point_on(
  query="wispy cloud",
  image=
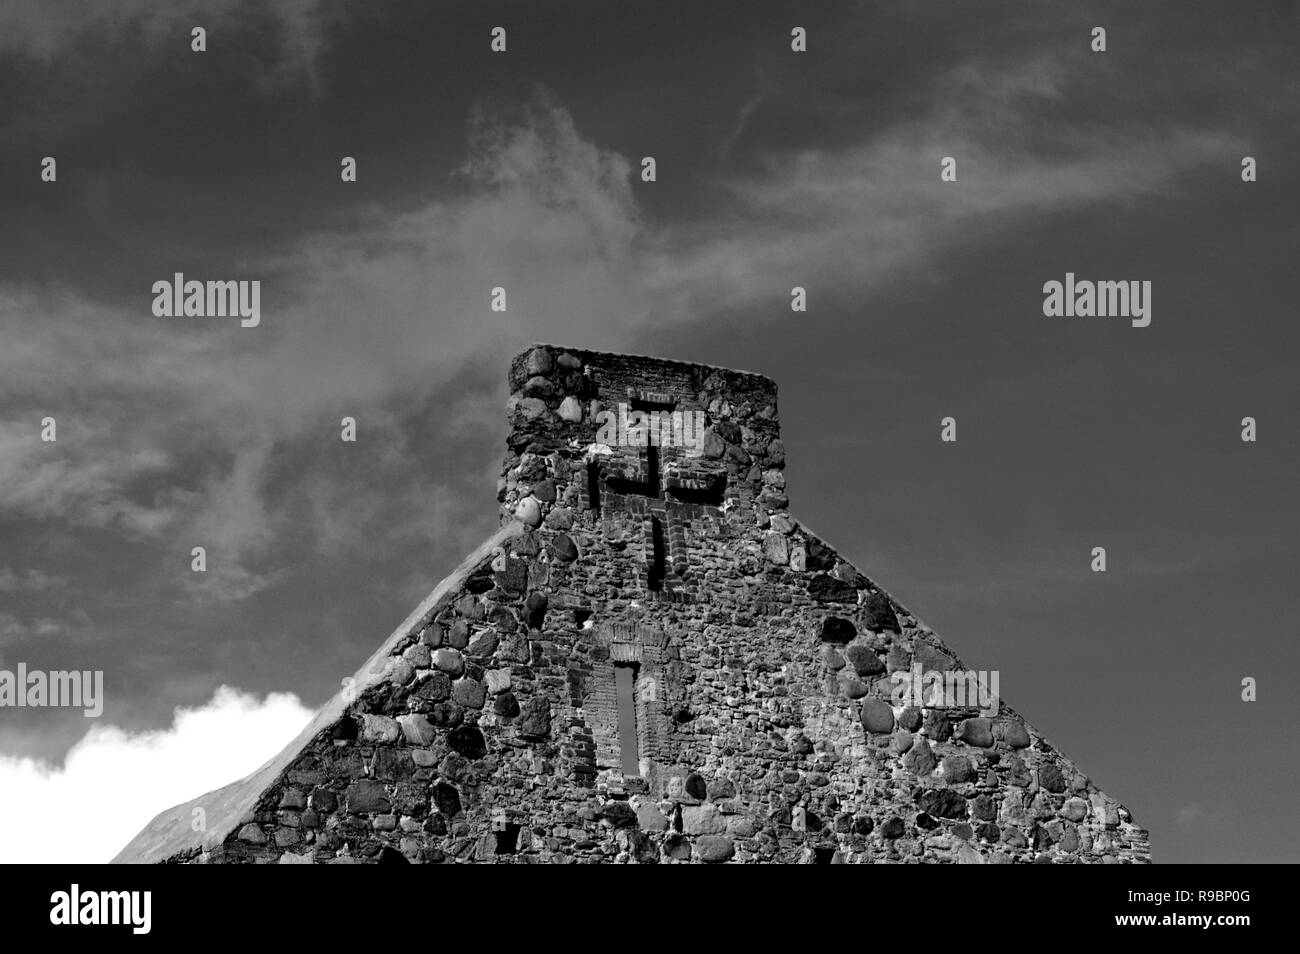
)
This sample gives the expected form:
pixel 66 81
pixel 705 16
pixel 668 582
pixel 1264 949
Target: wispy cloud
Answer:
pixel 394 305
pixel 46 29
pixel 28 581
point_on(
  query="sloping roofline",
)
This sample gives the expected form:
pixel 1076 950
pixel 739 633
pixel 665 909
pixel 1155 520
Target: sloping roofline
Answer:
pixel 171 832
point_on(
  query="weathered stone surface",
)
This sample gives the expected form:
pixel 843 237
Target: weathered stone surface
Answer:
pixel 975 732
pixel 893 828
pixel 417 730
pixel 942 803
pixel 391 763
pixel 563 549
pixel 619 814
pixel 984 808
pixel 436 687
pixel 910 718
pixel 776 547
pixel 497 680
pixel 864 661
pixel 830 590
pixel 714 848
pixel 957 769
pixel 720 789
pixel 570 410
pixel 252 835
pixel 853 688
pixel 677 847
pixel 1013 733
pixel 418 656
pixel 820 556
pixel 539 362
pixel 966 855
pixel 1074 809
pixel 702 820
pixel 449 661
pixel 535 719
pixel 365 796
pixel 484 644
pixel 399 671
pixel 457 636
pixel 1050 778
pixel 877 716
pixel 529 512
pixel 651 818
pixel 880 614
pixel 919 759
pixel 379 728
pixel 468 693
pixel 930 657
pixel 423 758
pixel 543 490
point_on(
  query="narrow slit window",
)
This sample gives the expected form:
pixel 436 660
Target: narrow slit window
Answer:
pixel 593 485
pixel 625 690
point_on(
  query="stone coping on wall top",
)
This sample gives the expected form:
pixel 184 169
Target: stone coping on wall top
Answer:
pixel 650 358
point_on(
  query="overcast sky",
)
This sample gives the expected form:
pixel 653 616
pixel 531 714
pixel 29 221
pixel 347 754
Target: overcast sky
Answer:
pixel 775 169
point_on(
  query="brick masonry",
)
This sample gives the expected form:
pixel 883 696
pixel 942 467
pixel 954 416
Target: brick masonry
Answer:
pixel 487 728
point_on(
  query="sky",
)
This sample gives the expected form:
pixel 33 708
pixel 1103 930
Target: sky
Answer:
pixel 522 169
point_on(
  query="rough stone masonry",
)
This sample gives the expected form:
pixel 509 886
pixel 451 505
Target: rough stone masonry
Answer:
pixel 490 727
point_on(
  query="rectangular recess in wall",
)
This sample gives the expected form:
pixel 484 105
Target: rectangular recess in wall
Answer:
pixel 625 692
pixel 657 557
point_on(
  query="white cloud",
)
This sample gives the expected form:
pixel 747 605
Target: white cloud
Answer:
pixel 113 782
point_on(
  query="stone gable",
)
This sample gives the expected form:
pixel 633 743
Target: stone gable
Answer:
pixel 491 727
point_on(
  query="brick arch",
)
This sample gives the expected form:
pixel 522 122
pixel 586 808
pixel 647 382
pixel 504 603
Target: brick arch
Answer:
pixel 646 648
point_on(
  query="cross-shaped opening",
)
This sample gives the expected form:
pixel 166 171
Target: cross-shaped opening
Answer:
pixel 704 489
pixel 647 487
pixel 593 484
pixel 657 564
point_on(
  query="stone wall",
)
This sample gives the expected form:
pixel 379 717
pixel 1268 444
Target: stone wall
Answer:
pixel 762 690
